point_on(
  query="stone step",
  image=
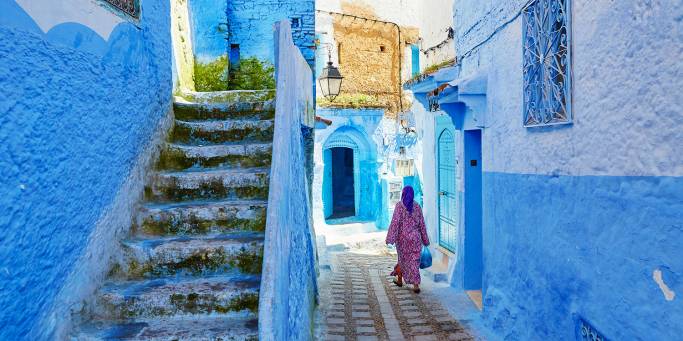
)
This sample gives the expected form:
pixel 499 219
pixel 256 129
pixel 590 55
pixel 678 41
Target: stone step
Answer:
pixel 218 132
pixel 216 184
pixel 257 110
pixel 191 256
pixel 177 296
pixel 181 157
pixel 207 218
pixel 225 97
pixel 238 327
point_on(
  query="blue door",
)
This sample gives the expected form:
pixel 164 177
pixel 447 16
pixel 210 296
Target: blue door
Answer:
pixel 447 191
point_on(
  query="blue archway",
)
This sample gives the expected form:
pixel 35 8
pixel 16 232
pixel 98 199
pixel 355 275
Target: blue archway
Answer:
pixel 364 163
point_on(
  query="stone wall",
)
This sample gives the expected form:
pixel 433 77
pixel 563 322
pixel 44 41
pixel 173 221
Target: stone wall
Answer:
pixel 583 221
pixel 367 53
pixel 84 90
pixel 250 25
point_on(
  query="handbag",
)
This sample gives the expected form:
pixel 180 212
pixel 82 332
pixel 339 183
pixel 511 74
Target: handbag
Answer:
pixel 425 258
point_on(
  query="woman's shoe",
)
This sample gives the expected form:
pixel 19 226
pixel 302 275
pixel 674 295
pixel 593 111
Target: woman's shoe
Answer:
pixel 416 290
pixel 399 284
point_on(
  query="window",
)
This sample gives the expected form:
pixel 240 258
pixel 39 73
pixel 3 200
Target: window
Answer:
pixel 130 7
pixel 546 35
pixel 234 56
pixel 382 48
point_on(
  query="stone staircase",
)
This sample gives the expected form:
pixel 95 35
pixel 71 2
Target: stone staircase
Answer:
pixel 191 265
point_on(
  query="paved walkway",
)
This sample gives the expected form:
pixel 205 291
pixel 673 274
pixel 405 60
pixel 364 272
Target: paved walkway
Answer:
pixel 359 302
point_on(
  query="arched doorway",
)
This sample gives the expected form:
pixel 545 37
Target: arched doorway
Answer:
pixel 343 188
pixel 349 163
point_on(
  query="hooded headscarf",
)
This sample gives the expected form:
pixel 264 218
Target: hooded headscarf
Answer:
pixel 407 198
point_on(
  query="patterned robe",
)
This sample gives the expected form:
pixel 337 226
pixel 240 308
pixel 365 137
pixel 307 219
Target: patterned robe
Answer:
pixel 408 232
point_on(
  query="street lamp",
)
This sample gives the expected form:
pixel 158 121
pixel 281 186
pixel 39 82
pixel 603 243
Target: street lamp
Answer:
pixel 330 80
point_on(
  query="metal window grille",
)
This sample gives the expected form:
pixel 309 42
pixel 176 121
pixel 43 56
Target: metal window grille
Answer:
pixel 130 7
pixel 546 36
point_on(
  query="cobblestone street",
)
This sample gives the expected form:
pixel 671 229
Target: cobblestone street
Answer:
pixel 359 302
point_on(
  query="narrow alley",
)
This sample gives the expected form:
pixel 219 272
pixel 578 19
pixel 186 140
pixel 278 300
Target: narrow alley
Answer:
pixel 341 170
pixel 359 301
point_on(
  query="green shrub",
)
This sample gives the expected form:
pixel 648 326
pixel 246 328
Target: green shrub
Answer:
pixel 253 74
pixel 355 100
pixel 211 76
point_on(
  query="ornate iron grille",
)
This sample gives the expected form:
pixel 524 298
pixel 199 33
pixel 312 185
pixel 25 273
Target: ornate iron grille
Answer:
pixel 547 62
pixel 586 332
pixel 130 7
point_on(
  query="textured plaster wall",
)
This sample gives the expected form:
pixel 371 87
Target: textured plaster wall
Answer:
pixel 580 219
pixel 251 25
pixel 183 55
pixel 209 21
pixel 367 123
pixel 79 106
pixel 289 291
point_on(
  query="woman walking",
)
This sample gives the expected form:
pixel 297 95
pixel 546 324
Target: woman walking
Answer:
pixel 407 230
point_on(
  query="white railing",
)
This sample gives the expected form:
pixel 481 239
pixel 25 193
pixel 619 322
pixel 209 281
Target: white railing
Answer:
pixel 289 280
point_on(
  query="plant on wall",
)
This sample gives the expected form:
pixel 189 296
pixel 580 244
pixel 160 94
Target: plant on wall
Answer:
pixel 253 74
pixel 212 76
pixel 250 74
pixel 355 100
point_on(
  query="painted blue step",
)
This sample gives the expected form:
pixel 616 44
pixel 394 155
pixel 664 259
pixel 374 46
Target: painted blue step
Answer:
pixel 201 217
pixel 181 157
pixel 213 184
pixel 192 256
pixel 238 327
pixel 178 296
pixel 226 131
pixel 256 108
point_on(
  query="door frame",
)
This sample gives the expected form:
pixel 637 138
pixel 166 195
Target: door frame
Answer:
pixel 343 142
pixel 473 210
pixel 354 177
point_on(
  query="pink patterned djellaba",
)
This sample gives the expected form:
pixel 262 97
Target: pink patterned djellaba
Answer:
pixel 407 231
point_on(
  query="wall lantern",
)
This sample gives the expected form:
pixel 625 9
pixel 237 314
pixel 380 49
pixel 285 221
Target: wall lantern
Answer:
pixel 330 80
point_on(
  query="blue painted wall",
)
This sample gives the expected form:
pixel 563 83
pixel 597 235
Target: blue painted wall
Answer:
pixel 473 210
pixel 76 111
pixel 363 126
pixel 251 26
pixel 561 246
pixel 209 22
pixel 578 221
pixel 289 287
